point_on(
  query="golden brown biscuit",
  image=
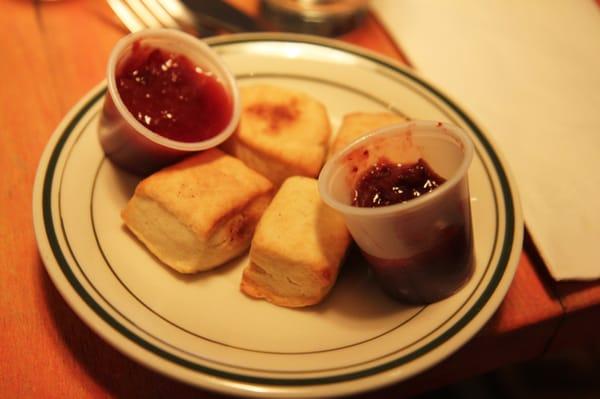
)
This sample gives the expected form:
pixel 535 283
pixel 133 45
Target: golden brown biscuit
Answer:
pixel 199 213
pixel 356 124
pixel 297 248
pixel 282 132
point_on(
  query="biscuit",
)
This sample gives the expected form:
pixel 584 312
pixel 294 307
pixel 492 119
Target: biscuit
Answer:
pixel 199 213
pixel 297 249
pixel 282 133
pixel 357 124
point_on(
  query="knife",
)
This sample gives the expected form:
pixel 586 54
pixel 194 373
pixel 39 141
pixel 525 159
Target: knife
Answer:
pixel 220 14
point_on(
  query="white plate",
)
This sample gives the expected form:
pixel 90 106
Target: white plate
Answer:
pixel 201 329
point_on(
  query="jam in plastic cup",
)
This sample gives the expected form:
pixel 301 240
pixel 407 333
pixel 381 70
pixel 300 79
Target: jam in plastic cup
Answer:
pixel 130 144
pixel 421 250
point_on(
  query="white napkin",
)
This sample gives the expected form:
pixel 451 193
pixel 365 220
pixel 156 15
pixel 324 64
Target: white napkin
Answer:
pixel 529 71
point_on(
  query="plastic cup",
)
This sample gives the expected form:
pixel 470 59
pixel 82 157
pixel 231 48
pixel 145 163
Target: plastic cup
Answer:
pixel 130 144
pixel 421 250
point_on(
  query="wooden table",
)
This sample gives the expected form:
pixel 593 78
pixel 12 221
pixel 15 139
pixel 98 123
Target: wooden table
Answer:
pixel 51 54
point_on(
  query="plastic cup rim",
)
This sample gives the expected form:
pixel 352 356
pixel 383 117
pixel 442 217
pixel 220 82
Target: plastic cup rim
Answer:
pixel 413 204
pixel 206 51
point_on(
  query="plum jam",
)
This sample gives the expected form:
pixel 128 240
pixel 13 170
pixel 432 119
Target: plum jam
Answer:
pixel 437 247
pixel 387 183
pixel 432 274
pixel 171 96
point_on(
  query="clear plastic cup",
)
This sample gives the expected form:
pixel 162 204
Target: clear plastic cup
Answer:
pixel 420 250
pixel 130 144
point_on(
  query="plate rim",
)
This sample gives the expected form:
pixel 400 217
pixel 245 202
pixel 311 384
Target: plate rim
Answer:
pixel 221 380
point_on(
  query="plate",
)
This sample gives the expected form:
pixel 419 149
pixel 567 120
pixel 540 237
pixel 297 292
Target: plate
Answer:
pixel 201 329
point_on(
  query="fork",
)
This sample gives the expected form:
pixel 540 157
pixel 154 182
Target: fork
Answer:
pixel 204 17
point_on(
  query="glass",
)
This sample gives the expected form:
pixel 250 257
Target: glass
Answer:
pixel 318 17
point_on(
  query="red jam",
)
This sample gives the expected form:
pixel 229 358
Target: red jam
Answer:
pixel 387 184
pixel 171 96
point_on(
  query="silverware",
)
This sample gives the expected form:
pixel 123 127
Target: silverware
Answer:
pixel 223 15
pixel 203 17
